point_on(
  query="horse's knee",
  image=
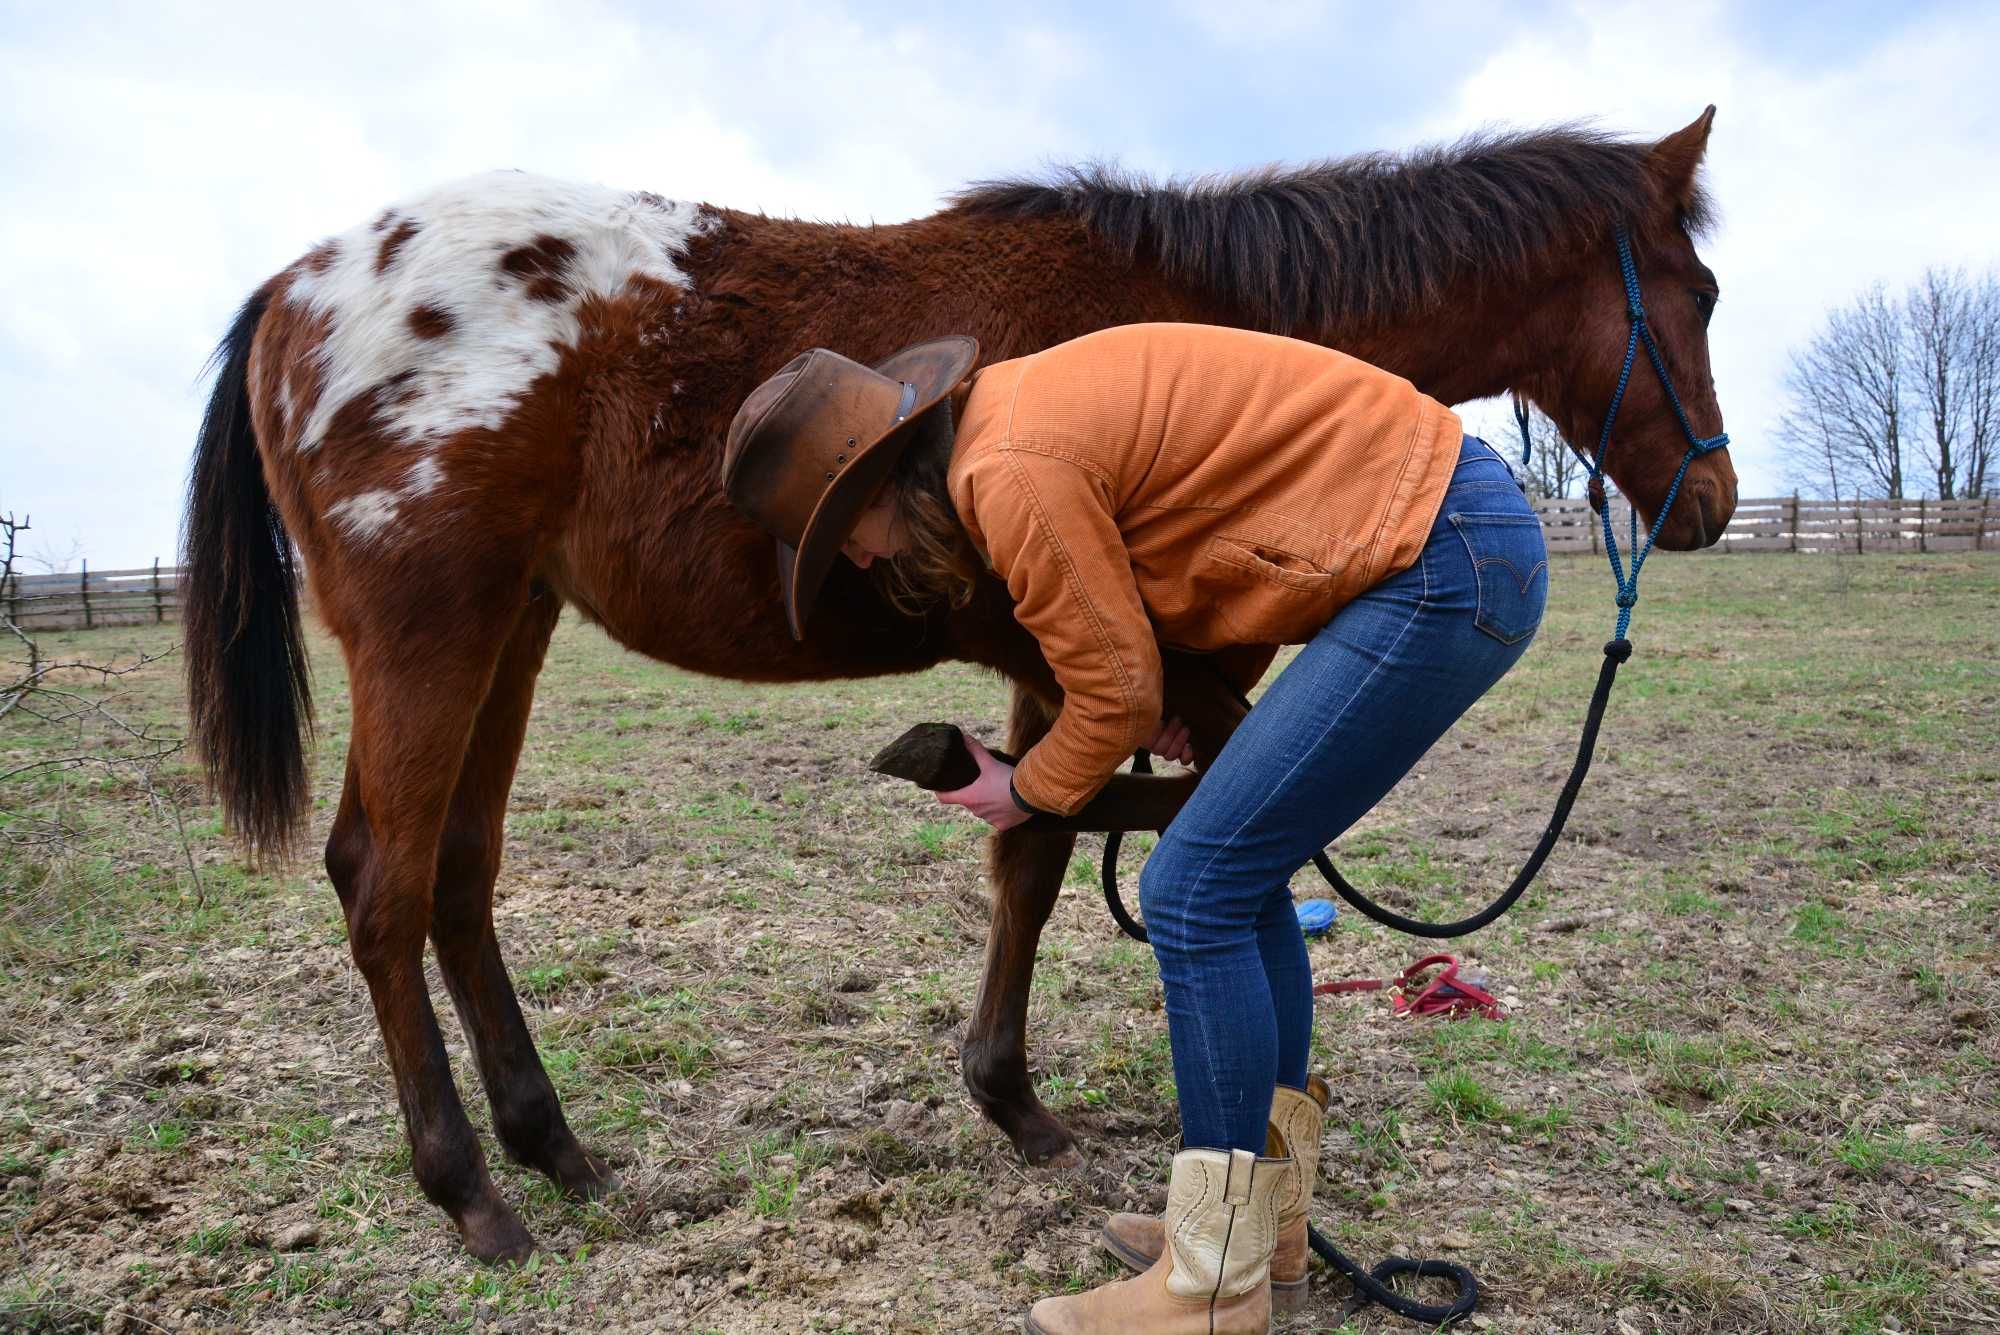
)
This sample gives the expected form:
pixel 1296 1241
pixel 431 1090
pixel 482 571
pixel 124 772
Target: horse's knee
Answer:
pixel 447 1164
pixel 527 1117
pixel 994 1070
pixel 468 862
pixel 467 856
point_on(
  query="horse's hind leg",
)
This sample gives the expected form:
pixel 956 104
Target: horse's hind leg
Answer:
pixel 415 698
pixel 527 1116
pixel 1026 873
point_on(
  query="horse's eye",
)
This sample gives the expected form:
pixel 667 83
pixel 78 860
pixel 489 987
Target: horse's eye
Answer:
pixel 1704 302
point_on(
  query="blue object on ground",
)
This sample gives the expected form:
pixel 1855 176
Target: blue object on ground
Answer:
pixel 1316 915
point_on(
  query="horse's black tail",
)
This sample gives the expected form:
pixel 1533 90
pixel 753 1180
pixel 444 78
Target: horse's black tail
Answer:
pixel 249 687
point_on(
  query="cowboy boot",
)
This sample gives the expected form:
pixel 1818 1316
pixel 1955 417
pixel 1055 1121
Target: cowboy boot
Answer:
pixel 1297 1116
pixel 1213 1275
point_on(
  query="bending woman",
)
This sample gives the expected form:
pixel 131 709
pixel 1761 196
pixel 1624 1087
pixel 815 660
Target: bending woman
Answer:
pixel 1209 489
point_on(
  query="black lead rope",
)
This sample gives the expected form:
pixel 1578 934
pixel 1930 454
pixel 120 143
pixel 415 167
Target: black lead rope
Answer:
pixel 1373 1285
pixel 1615 653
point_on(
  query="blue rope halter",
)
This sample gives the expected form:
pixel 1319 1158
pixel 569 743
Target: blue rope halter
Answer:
pixel 1635 309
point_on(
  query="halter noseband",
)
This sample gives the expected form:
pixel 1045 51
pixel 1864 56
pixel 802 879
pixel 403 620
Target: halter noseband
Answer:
pixel 1641 332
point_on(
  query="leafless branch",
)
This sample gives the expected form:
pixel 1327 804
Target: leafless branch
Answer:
pixel 1553 467
pixel 35 694
pixel 1846 388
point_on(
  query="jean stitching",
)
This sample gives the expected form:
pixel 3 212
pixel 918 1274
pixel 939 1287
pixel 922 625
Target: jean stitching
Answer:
pixel 1423 602
pixel 1185 891
pixel 1480 620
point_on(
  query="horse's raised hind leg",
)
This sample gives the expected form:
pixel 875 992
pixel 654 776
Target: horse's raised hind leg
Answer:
pixel 414 704
pixel 1026 871
pixel 527 1115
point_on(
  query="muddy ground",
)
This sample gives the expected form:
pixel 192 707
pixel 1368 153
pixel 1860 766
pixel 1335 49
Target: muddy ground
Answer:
pixel 1748 1081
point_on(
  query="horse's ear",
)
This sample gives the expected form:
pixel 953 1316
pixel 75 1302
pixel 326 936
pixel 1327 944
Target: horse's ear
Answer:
pixel 1675 159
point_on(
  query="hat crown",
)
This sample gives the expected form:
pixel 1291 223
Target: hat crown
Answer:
pixel 812 445
pixel 800 430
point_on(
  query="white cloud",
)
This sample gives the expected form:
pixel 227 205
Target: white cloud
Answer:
pixel 1829 177
pixel 162 159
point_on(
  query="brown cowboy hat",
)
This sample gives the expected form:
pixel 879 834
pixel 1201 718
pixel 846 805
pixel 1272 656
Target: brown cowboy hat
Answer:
pixel 811 445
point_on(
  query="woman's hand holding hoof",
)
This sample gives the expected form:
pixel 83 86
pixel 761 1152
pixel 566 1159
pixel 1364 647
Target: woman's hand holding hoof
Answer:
pixel 1173 742
pixel 990 796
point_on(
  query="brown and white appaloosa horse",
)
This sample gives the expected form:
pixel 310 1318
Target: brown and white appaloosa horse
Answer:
pixel 510 394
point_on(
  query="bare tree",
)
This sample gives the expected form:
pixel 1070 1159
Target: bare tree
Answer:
pixel 1938 317
pixel 1553 467
pixel 1981 429
pixel 1847 397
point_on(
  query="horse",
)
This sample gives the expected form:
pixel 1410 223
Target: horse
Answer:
pixel 508 395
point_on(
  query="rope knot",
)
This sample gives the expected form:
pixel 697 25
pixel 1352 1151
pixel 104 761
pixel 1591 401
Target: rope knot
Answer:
pixel 1628 598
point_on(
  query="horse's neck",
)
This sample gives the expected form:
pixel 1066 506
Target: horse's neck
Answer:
pixel 1021 285
pixel 1451 359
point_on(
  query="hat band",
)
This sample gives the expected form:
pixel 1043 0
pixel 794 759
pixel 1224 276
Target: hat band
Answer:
pixel 907 402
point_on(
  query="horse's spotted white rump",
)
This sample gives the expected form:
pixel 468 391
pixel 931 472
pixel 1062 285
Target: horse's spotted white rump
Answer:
pixel 364 517
pixel 450 305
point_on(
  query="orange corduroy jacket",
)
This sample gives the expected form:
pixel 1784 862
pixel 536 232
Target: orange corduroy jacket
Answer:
pixel 1186 485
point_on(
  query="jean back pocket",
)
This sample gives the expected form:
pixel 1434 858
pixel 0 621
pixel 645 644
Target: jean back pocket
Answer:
pixel 1510 565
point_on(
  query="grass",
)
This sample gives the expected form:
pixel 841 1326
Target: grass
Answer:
pixel 1461 1097
pixel 748 967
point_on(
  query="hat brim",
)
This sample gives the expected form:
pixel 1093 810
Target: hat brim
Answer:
pixel 935 367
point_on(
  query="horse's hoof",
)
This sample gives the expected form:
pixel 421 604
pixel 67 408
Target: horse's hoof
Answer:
pixel 592 1179
pixel 494 1233
pixel 1047 1143
pixel 1062 1161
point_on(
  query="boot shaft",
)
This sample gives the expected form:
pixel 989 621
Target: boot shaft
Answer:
pixel 1222 1222
pixel 1298 1117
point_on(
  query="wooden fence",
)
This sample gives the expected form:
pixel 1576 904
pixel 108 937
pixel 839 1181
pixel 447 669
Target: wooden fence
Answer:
pixel 93 598
pixel 1789 524
pixel 1780 524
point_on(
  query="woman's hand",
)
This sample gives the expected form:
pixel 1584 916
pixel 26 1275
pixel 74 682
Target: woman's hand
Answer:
pixel 1172 742
pixel 990 796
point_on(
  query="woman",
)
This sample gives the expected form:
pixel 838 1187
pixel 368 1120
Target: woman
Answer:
pixel 1211 489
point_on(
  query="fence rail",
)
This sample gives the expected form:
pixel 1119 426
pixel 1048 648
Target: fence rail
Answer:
pixel 1769 524
pixel 1794 524
pixel 93 597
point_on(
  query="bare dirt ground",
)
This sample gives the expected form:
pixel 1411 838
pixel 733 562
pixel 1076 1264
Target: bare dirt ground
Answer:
pixel 1748 1082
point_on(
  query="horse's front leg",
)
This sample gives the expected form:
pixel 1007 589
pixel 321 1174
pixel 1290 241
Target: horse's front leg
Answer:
pixel 1026 871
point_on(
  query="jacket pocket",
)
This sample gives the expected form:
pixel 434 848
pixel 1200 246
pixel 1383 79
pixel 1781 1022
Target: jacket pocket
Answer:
pixel 1264 587
pixel 1510 567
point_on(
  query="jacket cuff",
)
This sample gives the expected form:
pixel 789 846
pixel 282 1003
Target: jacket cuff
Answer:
pixel 1023 802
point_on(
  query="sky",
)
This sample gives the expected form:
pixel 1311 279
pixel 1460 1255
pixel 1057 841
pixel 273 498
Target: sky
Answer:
pixel 160 160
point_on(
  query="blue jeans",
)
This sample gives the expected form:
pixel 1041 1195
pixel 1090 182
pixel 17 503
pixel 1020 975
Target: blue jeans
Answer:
pixel 1348 718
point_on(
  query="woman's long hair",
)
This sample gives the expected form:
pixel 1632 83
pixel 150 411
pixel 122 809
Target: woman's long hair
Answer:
pixel 938 564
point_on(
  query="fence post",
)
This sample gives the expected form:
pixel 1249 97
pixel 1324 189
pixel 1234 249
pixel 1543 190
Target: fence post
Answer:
pixel 1860 530
pixel 1979 533
pixel 1795 522
pixel 159 615
pixel 83 588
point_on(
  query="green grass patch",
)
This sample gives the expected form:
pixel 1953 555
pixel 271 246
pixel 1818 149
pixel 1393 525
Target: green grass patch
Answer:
pixel 1459 1095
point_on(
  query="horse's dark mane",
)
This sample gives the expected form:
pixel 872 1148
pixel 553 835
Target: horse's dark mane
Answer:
pixel 1358 239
